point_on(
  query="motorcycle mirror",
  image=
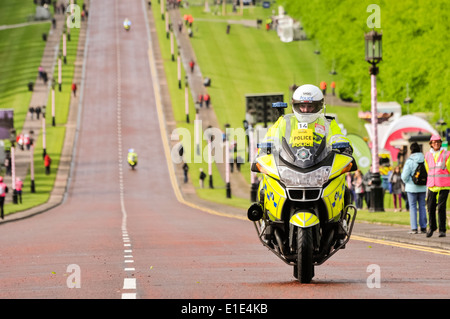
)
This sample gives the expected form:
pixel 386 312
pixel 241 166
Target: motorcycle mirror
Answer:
pixel 254 168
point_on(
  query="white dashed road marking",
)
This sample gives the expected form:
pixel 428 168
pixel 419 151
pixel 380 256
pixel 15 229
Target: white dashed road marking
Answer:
pixel 128 283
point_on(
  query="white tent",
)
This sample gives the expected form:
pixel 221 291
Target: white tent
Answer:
pixel 392 131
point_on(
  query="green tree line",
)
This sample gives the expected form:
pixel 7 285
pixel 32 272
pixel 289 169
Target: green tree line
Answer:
pixel 416 36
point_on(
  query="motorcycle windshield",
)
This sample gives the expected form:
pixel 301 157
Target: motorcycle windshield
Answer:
pixel 305 155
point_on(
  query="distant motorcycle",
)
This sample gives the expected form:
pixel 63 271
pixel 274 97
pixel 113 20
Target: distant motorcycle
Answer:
pixel 127 24
pixel 301 213
pixel 132 158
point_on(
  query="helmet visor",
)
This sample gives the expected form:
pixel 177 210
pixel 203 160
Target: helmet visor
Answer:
pixel 307 107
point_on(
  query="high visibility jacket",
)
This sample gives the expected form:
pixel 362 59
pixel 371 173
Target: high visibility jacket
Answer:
pixel 132 158
pixel 286 125
pixel 437 165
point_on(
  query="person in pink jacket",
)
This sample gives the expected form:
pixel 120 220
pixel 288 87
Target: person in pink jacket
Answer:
pixel 19 186
pixel 3 191
pixel 437 164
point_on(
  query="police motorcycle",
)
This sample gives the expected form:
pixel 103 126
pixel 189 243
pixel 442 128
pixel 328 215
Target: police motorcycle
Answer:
pixel 132 158
pixel 127 24
pixel 303 212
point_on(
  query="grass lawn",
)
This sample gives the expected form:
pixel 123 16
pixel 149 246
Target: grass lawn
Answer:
pixel 25 44
pixel 178 104
pixel 21 52
pixel 15 12
pixel 247 61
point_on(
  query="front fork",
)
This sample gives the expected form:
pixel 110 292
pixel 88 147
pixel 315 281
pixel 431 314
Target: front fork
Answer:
pixel 345 228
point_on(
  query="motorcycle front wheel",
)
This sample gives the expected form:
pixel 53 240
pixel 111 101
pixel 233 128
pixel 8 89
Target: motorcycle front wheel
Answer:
pixel 304 269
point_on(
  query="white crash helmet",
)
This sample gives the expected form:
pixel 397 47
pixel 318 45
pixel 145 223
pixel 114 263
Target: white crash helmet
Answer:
pixel 311 95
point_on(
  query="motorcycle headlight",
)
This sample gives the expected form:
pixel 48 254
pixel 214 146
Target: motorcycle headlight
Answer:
pixel 311 179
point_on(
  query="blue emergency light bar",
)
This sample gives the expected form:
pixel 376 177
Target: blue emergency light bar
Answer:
pixel 279 105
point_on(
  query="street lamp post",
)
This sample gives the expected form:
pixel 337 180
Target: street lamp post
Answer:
pixel 407 100
pixel 374 56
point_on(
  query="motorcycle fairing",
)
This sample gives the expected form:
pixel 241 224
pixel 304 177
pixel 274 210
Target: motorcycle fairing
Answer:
pixel 305 155
pixel 274 197
pixel 268 165
pixel 333 197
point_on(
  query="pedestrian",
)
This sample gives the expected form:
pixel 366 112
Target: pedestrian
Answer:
pixel 41 72
pixel 349 181
pixel 437 164
pixel 202 178
pixel 396 185
pixel 416 193
pixel 239 161
pixel 359 188
pixel 47 162
pixel 20 141
pixel 333 88
pixel 30 137
pixel 19 186
pixel 367 181
pixel 7 164
pixel 74 89
pixel 27 141
pixel 200 99
pixel 207 100
pixel 323 87
pixel 191 65
pixel 3 191
pixel 38 111
pixel 31 110
pixel 268 24
pixel 185 171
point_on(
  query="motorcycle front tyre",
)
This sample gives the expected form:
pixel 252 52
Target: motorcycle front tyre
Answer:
pixel 304 269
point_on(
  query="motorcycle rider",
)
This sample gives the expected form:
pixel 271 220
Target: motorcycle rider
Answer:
pixel 127 24
pixel 307 106
pixel 132 158
pixel 309 123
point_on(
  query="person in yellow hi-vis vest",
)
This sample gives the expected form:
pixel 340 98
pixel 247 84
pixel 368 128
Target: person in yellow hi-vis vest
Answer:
pixel 308 123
